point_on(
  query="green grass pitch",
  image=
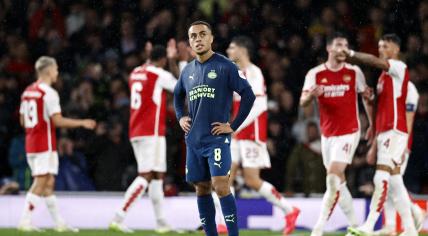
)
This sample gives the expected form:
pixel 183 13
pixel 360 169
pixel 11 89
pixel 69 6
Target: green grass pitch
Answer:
pixel 14 232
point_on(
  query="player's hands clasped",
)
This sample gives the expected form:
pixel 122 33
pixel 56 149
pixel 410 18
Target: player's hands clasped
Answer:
pixel 221 128
pixel 368 94
pixel 185 123
pixel 89 124
pixel 316 91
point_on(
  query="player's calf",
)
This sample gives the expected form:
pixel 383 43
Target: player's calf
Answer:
pixel 206 210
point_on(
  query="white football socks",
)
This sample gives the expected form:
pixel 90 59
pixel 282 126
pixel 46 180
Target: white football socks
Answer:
pixel 51 204
pixel 402 202
pixel 270 193
pixel 133 193
pixel 157 197
pixel 329 201
pixel 381 184
pixel 346 204
pixel 31 202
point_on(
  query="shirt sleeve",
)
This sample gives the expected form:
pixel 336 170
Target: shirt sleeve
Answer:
pixel 360 80
pixel 309 81
pixel 167 81
pixel 412 98
pixel 52 102
pixel 237 81
pixel 259 106
pixel 258 83
pixel 396 69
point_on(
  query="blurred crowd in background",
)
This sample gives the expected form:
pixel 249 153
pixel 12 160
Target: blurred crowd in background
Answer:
pixel 98 42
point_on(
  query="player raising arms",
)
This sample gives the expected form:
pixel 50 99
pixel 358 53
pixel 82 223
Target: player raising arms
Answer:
pixel 148 85
pixel 208 83
pixel 391 132
pixel 336 84
pixel 40 114
pixel 249 141
pixel 389 210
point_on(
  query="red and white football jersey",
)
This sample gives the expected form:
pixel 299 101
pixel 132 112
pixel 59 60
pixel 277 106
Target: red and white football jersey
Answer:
pixel 38 103
pixel 411 106
pixel 147 84
pixel 255 126
pixel 392 93
pixel 338 105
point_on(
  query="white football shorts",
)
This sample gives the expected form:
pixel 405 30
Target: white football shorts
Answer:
pixel 150 153
pixel 250 154
pixel 391 146
pixel 43 163
pixel 339 148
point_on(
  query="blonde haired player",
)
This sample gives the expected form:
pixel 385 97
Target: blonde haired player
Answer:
pixel 391 133
pixel 336 84
pixel 40 114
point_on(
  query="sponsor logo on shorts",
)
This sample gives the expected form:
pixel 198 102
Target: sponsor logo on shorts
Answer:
pixel 218 164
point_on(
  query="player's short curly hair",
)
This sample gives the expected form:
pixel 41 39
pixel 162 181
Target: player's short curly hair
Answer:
pixel 201 22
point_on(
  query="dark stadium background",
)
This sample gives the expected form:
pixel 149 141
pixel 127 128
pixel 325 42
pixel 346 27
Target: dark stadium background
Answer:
pixel 97 43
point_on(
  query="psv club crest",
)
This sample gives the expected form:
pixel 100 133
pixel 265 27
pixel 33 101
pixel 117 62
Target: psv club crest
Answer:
pixel 212 74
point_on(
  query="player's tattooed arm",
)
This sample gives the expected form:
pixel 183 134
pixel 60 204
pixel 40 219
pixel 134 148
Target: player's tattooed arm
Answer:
pixel 368 106
pixel 365 58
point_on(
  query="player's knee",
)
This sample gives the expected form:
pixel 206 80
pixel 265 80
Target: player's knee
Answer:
pixel 203 188
pixel 40 182
pixel 158 175
pixel 222 191
pixel 332 182
pixel 148 176
pixel 222 188
pixel 253 182
pixel 338 170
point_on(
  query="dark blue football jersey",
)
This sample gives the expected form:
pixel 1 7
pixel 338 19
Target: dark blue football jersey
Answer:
pixel 209 88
